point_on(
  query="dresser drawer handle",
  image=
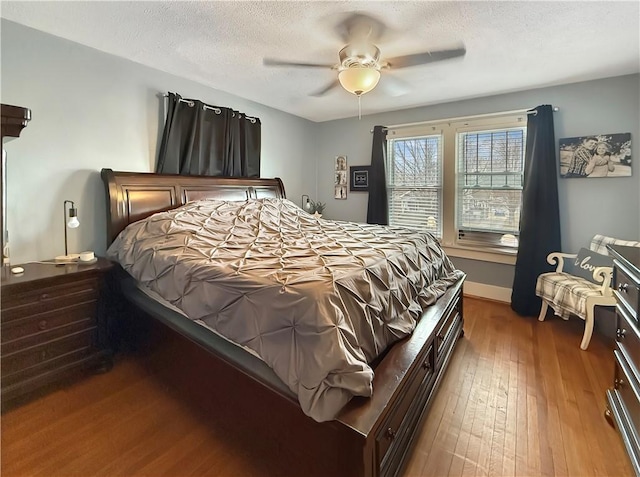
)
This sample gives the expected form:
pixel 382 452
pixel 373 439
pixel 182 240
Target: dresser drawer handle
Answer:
pixel 623 287
pixel 44 296
pixel 618 383
pixel 43 355
pixel 426 365
pixel 391 434
pixel 42 325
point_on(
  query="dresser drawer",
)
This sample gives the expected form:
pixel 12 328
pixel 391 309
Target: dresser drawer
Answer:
pixel 31 302
pixel 20 360
pixel 45 322
pixel 447 327
pixel 393 432
pixel 626 290
pixel 628 337
pixel 627 389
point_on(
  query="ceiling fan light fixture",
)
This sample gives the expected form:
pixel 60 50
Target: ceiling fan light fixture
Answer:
pixel 359 80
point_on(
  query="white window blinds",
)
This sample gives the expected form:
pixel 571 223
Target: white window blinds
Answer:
pixel 490 179
pixel 414 183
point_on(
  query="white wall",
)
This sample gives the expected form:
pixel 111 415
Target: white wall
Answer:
pixel 587 206
pixel 92 110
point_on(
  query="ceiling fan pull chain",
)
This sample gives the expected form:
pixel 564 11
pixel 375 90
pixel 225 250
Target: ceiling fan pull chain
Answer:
pixel 359 107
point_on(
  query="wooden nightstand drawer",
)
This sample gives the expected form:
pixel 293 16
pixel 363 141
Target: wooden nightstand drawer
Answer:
pixel 14 346
pixel 44 372
pixel 45 322
pixel 31 302
pixel 26 358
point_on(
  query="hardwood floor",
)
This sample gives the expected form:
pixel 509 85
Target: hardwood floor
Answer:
pixel 520 399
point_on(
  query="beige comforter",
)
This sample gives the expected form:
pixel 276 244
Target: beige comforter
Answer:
pixel 316 299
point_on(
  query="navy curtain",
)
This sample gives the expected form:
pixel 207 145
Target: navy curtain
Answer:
pixel 540 216
pixel 204 140
pixel 377 207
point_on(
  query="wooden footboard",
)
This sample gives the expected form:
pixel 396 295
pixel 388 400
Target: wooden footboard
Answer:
pixel 404 385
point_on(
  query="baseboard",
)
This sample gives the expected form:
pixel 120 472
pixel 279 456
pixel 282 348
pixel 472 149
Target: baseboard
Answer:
pixel 490 292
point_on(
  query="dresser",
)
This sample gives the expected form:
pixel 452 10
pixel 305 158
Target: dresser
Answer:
pixel 53 326
pixel 624 397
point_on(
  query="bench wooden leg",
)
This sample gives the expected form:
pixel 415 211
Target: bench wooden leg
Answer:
pixel 543 311
pixel 588 328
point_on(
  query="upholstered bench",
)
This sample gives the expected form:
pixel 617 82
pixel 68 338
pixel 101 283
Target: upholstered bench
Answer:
pixel 579 283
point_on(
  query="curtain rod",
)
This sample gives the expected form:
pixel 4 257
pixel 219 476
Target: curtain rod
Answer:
pixel 192 103
pixel 460 118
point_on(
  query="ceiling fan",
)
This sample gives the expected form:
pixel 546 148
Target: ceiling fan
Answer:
pixel 360 62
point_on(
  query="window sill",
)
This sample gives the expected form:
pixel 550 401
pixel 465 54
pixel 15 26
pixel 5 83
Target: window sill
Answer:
pixel 496 255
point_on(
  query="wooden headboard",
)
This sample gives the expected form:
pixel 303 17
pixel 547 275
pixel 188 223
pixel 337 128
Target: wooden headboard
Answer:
pixel 132 196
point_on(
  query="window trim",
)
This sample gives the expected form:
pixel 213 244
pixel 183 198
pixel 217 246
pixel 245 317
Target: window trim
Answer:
pixel 448 130
pixel 486 255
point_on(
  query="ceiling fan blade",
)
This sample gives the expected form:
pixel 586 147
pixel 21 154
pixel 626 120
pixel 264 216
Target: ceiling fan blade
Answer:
pixel 274 62
pixel 360 26
pixel 393 86
pixel 326 89
pixel 424 58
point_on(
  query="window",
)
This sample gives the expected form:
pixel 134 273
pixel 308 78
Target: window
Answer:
pixel 415 183
pixel 460 180
pixel 489 192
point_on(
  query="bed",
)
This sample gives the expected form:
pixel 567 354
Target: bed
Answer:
pixel 370 435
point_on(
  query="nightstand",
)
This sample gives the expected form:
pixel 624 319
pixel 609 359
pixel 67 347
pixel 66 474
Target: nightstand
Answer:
pixel 53 326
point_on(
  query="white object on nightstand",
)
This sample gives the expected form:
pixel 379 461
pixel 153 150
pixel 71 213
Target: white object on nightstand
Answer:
pixel 70 258
pixel 88 256
pixel 17 270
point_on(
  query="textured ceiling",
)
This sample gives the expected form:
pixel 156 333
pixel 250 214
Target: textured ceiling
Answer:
pixel 511 46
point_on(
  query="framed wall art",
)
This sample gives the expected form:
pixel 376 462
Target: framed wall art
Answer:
pixel 359 178
pixel 604 155
pixel 340 178
pixel 340 192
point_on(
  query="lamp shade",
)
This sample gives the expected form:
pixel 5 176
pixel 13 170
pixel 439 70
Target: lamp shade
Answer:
pixel 359 80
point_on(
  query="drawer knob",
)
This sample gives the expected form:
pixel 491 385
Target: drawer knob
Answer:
pixel 618 383
pixel 44 296
pixel 43 355
pixel 623 287
pixel 391 434
pixel 427 364
pixel 620 333
pixel 42 325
